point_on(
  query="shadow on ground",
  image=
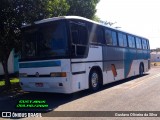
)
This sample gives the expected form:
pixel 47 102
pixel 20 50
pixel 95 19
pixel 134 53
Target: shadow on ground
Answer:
pixel 8 103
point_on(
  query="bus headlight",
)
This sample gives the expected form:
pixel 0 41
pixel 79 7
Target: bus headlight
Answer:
pixel 22 74
pixel 58 74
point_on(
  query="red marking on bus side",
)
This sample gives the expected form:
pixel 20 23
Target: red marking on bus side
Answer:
pixel 114 70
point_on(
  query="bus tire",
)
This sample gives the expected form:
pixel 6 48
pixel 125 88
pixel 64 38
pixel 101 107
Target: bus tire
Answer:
pixel 94 80
pixel 141 69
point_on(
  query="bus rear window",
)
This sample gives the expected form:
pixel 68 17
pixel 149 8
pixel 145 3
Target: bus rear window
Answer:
pixel 144 44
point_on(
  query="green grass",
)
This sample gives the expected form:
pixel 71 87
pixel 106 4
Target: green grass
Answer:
pixel 14 80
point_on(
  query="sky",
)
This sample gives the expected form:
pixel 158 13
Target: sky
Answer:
pixel 140 17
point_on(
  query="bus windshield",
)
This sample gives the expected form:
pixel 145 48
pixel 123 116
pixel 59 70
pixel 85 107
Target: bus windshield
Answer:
pixel 45 40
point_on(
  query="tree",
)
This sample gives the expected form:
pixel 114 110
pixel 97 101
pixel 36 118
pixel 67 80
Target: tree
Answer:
pixel 9 33
pixel 14 13
pixel 56 8
pixel 96 18
pixel 84 8
pixel 33 10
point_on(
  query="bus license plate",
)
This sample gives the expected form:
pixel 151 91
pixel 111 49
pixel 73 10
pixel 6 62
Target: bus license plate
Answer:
pixel 39 84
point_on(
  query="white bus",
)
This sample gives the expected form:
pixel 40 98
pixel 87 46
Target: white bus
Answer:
pixel 71 53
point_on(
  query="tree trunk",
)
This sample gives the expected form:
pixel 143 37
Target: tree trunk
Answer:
pixel 6 75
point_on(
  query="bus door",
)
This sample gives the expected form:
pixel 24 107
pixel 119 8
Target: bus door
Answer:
pixel 79 51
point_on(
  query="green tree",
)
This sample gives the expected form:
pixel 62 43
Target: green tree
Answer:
pixel 84 8
pixel 14 13
pixel 33 10
pixel 56 8
pixel 96 18
pixel 9 33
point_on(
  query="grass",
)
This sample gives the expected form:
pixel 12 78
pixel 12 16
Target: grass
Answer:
pixel 13 89
pixel 14 80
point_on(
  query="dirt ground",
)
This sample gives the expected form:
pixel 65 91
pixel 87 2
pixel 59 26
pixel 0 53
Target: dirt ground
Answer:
pixel 155 63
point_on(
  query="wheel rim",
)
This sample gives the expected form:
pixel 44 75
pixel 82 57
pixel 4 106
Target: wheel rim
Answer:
pixel 94 80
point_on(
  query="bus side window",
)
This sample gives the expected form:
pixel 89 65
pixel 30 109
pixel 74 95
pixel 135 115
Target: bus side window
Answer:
pixel 99 33
pixel 108 37
pixel 114 38
pixel 74 33
pixel 122 40
pixel 96 34
pixel 138 43
pixel 144 44
pixel 92 33
pixel 131 41
pixel 147 44
pixel 79 34
pixel 75 37
pixel 83 35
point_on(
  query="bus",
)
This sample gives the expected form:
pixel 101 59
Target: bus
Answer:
pixel 70 53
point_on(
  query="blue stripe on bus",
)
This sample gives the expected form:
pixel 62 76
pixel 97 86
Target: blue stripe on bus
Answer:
pixel 40 64
pixel 130 55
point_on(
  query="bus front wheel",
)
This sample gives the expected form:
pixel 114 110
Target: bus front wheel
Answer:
pixel 94 80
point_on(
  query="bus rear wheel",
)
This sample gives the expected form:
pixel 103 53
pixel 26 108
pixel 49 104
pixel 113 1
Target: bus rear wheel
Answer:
pixel 141 69
pixel 94 80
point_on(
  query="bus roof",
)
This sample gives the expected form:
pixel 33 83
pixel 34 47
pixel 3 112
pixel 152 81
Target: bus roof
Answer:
pixel 77 17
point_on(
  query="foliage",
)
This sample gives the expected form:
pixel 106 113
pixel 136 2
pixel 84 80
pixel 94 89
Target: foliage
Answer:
pixel 13 81
pixel 9 33
pixel 56 8
pixel 96 18
pixel 84 8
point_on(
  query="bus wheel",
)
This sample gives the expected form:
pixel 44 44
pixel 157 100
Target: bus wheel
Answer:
pixel 141 69
pixel 94 80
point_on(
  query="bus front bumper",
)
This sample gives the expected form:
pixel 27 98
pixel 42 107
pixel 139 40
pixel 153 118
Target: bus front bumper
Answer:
pixel 46 84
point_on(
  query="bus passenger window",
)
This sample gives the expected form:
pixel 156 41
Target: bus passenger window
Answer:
pixel 122 40
pixel 74 33
pixel 96 35
pixel 75 37
pixel 83 36
pixel 79 34
pixel 114 38
pixel 100 36
pixel 108 37
pixel 144 44
pixel 131 41
pixel 125 40
pixel 148 47
pixel 138 43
